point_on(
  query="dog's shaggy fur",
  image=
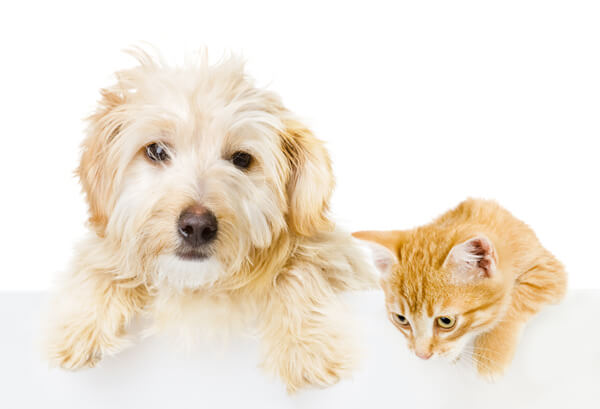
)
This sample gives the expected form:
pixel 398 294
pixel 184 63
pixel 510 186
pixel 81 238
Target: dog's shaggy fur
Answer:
pixel 277 254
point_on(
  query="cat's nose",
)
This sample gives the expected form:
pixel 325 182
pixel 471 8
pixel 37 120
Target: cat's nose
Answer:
pixel 424 355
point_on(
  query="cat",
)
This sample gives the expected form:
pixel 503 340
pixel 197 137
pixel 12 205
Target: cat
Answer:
pixel 465 285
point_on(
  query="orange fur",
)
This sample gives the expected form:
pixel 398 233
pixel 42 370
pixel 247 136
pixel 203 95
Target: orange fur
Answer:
pixel 492 286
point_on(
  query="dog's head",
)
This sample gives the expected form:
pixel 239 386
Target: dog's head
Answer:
pixel 189 172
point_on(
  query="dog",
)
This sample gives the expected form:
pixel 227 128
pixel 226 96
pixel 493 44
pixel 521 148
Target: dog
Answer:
pixel 208 198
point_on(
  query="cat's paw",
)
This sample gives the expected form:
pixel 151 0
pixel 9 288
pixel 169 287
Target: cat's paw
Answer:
pixel 493 355
pixel 489 371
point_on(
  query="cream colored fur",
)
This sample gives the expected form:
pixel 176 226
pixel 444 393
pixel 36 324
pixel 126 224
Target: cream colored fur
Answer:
pixel 277 261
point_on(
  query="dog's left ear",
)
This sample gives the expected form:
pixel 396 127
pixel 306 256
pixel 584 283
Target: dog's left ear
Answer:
pixel 310 182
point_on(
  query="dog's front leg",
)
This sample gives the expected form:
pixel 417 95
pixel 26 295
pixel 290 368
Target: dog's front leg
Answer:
pixel 306 339
pixel 89 313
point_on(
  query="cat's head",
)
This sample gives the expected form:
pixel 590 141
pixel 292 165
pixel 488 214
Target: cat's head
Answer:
pixel 440 294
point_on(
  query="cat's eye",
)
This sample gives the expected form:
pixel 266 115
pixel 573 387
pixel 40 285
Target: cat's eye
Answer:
pixel 400 319
pixel 445 322
pixel 157 152
pixel 242 160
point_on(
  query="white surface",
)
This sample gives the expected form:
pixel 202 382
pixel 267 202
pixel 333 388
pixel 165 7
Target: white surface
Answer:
pixel 557 366
pixel 422 103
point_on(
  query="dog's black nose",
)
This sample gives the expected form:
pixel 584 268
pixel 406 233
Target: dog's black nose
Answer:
pixel 197 226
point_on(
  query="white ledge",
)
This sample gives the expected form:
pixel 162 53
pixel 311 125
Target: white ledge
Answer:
pixel 557 365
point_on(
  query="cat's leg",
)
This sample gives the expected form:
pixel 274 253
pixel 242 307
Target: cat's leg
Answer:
pixel 494 350
pixel 542 284
pixel 305 338
pixel 88 315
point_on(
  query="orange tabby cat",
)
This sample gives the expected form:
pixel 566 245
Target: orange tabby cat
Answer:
pixel 474 274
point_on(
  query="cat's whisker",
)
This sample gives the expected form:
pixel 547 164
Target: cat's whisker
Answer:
pixel 486 362
pixel 479 360
pixel 465 365
pixel 475 295
pixel 469 356
pixel 470 362
pixel 482 349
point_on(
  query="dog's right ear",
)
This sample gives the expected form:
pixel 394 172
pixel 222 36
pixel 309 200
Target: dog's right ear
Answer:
pixel 98 167
pixel 384 247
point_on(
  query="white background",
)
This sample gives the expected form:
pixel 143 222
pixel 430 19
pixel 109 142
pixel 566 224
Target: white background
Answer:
pixel 421 103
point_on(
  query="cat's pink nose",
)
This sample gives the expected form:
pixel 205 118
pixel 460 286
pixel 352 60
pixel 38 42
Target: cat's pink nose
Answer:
pixel 424 355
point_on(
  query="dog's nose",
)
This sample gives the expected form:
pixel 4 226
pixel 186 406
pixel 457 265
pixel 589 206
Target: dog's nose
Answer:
pixel 197 226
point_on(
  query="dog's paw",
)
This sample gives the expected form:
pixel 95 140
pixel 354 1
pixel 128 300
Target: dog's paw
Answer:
pixel 77 347
pixel 322 372
pixel 303 365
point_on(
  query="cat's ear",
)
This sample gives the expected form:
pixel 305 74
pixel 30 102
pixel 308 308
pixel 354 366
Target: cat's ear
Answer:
pixel 473 259
pixel 384 247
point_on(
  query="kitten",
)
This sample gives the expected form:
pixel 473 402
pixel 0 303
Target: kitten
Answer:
pixel 474 274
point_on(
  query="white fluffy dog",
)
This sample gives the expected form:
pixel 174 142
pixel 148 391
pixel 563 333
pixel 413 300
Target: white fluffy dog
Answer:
pixel 207 198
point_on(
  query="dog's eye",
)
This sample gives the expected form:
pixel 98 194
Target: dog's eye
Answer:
pixel 241 159
pixel 156 152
